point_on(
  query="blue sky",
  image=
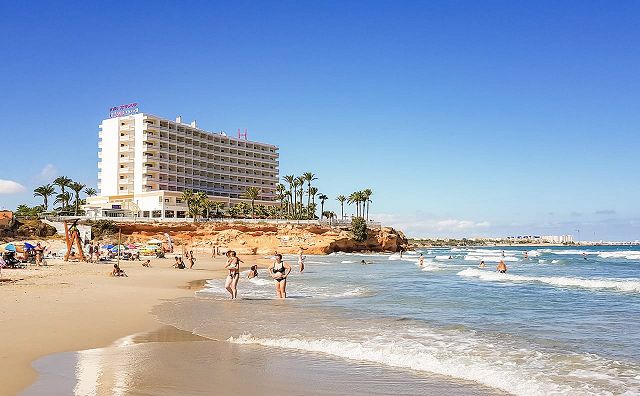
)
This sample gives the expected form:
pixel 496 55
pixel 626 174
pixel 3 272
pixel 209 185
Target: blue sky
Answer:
pixel 465 118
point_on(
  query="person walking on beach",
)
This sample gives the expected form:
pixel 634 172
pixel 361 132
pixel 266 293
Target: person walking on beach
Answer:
pixel 231 283
pixel 279 270
pixel 301 261
pixel 502 267
pixel 192 260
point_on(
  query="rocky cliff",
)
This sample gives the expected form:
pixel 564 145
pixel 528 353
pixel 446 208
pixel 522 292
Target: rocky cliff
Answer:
pixel 267 238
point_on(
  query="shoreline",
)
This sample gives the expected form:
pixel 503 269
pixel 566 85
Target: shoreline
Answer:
pixel 98 371
pixel 66 307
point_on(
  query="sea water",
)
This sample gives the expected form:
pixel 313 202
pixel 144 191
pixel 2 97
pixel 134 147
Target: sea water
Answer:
pixel 561 321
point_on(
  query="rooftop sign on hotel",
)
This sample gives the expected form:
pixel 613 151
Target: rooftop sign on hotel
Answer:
pixel 123 110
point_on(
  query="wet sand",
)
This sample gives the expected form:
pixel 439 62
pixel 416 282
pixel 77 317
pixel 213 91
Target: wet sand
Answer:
pixel 169 361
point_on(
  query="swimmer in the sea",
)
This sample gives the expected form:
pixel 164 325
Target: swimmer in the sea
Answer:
pixel 481 264
pixel 502 267
pixel 421 260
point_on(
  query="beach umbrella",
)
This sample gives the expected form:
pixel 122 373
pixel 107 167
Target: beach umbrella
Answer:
pixel 132 246
pixel 8 247
pixel 107 246
pixel 122 248
pixel 27 245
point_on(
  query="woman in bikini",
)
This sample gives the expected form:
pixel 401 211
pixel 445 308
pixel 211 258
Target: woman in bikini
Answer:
pixel 231 283
pixel 279 270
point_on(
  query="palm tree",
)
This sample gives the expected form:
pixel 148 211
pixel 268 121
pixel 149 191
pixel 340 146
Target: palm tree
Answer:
pixel 309 177
pixel 62 182
pixel 77 189
pixel 91 192
pixel 288 198
pixel 366 194
pixel 341 199
pixel 217 206
pixel 187 197
pixel 202 202
pixel 313 191
pixel 45 192
pixel 353 198
pixel 329 215
pixel 252 193
pixel 296 184
pixel 322 198
pixel 290 180
pixel 62 199
pixel 280 195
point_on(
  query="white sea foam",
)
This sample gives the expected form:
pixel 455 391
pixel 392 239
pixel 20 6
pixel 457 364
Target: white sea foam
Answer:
pixel 347 262
pixel 261 281
pixel 570 252
pixel 555 261
pixel 490 259
pixel 623 285
pixel 432 267
pixel 628 254
pixel 451 360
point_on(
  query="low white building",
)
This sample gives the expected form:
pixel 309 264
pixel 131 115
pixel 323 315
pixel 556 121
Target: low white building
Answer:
pixel 557 238
pixel 145 162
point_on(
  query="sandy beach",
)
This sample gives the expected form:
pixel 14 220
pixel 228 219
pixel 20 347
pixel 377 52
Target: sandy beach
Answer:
pixel 74 306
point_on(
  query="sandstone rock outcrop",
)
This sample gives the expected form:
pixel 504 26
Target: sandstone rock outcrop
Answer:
pixel 264 239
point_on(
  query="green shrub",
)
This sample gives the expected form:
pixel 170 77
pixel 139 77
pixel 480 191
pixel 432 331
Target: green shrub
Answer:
pixel 359 229
pixel 100 228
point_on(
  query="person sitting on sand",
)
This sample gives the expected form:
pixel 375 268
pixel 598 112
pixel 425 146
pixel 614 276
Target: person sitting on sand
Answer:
pixel 253 272
pixel 279 270
pixel 179 264
pixel 117 271
pixel 147 264
pixel 481 264
pixel 502 267
pixel 231 283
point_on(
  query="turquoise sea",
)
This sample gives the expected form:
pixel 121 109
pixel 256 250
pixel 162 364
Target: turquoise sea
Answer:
pixel 562 321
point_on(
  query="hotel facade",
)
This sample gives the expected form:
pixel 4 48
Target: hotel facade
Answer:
pixel 145 162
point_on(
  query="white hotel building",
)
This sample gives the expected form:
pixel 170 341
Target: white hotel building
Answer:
pixel 145 162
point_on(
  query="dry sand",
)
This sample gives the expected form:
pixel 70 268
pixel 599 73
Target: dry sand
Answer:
pixel 74 306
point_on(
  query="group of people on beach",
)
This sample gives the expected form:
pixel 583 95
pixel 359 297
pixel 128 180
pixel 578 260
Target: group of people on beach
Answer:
pixel 279 270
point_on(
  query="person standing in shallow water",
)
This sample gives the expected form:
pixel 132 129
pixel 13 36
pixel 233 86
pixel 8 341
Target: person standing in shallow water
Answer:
pixel 279 270
pixel 301 261
pixel 231 283
pixel 502 267
pixel 421 260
